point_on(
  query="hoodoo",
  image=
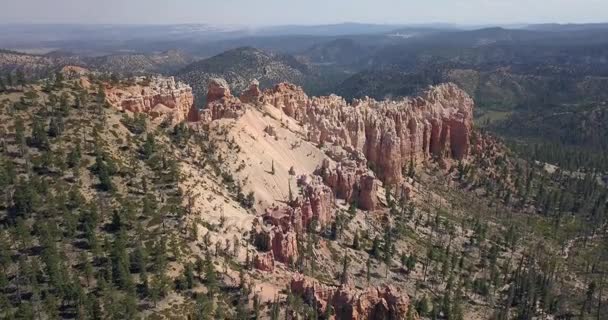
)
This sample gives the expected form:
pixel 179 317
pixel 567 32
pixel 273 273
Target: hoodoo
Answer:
pixel 390 134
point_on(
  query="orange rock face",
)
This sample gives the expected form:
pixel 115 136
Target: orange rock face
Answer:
pixel 385 135
pixel 252 94
pixel 218 89
pixel 317 201
pixel 221 104
pixel 264 261
pixel 389 134
pixel 224 108
pixel 281 225
pixel 374 303
pixel 161 97
pixel 352 181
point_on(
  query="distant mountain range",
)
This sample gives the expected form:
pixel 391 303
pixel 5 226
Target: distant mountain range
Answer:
pixel 37 66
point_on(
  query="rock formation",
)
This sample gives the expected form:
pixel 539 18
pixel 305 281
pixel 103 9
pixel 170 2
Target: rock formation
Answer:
pixel 280 225
pixel 352 181
pixel 264 261
pixel 74 72
pixel 389 134
pixel 161 97
pixel 226 108
pixel 274 242
pixel 316 202
pixel 374 303
pixel 252 94
pixel 218 89
pixel 221 104
pixel 365 140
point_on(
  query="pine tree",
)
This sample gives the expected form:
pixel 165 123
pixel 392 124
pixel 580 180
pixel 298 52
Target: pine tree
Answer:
pixel 275 310
pixel 101 94
pixel 149 147
pixel 411 262
pixel 87 267
pixel 189 276
pixel 388 249
pixel 345 265
pixel 120 262
pixel 411 171
pixel 203 310
pixel 39 137
pixel 290 192
pixel 210 277
pixel 105 180
pixel 20 78
pixel 329 311
pixel 422 306
pixel 356 244
pixel 25 198
pixel 55 127
pixel 375 248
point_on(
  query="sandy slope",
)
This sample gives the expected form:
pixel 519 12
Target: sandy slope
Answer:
pixel 266 136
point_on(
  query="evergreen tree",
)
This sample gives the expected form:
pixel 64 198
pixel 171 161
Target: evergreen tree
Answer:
pixel 25 198
pixel 39 138
pixel 189 276
pixel 375 252
pixel 203 310
pixel 120 263
pixel 149 147
pixel 356 244
pixel 345 265
pixel 55 127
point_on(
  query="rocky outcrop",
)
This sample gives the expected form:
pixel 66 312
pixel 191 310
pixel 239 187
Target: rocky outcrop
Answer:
pixel 74 72
pixel 316 202
pixel 157 97
pixel 281 224
pixel 352 181
pixel 384 136
pixel 252 94
pixel 390 134
pixel 264 261
pixel 221 104
pixel 374 303
pixel 218 89
pixel 276 243
pixel 225 108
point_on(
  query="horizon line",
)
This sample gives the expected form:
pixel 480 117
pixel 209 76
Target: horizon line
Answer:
pixel 302 24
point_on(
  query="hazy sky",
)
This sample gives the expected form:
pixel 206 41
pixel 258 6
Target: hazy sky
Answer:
pixel 273 12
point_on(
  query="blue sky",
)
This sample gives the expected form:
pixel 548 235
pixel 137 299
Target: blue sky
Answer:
pixel 277 12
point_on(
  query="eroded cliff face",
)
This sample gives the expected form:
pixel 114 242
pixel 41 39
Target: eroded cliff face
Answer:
pixel 159 97
pixel 377 139
pixel 348 303
pixel 276 236
pixel 390 134
pixel 363 146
